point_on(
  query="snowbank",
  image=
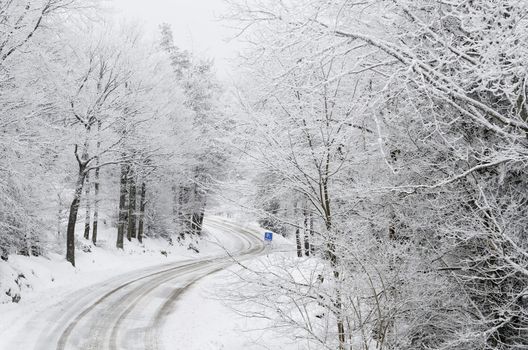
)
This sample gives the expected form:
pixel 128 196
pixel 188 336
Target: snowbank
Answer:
pixel 223 312
pixel 23 277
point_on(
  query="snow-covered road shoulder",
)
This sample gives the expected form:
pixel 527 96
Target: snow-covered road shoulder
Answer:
pixel 206 318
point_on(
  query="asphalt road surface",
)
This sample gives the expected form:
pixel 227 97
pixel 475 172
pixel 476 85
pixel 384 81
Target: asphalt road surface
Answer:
pixel 129 311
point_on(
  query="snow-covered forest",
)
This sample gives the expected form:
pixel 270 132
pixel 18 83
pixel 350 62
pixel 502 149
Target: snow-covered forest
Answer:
pixel 386 140
pixel 97 119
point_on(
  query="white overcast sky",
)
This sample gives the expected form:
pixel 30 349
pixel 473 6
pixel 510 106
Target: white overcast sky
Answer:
pixel 195 25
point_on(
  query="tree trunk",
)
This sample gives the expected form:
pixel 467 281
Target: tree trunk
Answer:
pixel 96 207
pixel 298 240
pixel 198 217
pixel 340 323
pixel 26 249
pixel 297 232
pixel 195 213
pixel 176 203
pixel 312 235
pixel 183 217
pixel 306 234
pixel 72 220
pixel 200 221
pixel 194 223
pixel 141 212
pixel 88 209
pixel 131 208
pixel 96 187
pixel 122 206
pixel 332 255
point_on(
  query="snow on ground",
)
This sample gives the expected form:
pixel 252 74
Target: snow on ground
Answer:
pixel 200 321
pixel 45 281
pixel 37 274
pixel 203 319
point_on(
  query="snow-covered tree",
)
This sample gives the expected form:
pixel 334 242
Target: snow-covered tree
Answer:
pixel 442 97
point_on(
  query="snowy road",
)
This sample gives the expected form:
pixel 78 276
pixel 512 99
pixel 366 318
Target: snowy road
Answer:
pixel 129 311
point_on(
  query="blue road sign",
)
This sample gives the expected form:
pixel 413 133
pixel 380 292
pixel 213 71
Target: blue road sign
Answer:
pixel 268 236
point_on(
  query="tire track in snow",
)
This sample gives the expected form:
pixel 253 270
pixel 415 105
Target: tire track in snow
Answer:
pixel 254 246
pixel 104 332
pixel 67 332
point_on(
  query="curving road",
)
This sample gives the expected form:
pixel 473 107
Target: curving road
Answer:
pixel 129 311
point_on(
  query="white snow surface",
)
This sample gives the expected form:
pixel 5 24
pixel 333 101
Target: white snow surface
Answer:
pixel 49 281
pixel 203 321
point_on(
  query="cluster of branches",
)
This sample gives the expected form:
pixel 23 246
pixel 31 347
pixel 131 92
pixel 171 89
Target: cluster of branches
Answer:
pixel 401 126
pixel 87 105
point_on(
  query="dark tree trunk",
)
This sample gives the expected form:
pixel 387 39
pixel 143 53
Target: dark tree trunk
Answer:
pixel 132 208
pixel 306 232
pixel 195 213
pixel 72 220
pixel 176 203
pixel 298 240
pixel 197 222
pixel 88 209
pixel 141 212
pixel 26 248
pixel 96 187
pixel 194 223
pixel 297 233
pixel 96 207
pixel 200 220
pixel 340 323
pixel 122 206
pixel 312 235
